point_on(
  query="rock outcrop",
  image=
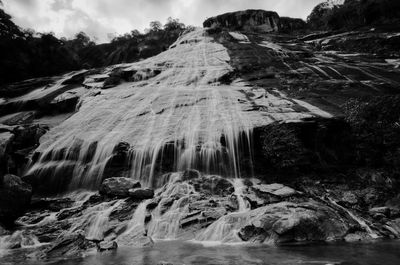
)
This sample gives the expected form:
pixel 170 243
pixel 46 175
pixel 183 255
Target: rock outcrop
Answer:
pixel 231 135
pixel 289 222
pixel 15 197
pixel 119 187
pixel 252 20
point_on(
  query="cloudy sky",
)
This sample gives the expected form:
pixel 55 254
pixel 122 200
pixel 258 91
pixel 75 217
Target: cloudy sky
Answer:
pixel 99 18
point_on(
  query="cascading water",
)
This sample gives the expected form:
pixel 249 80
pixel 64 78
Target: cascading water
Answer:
pixel 136 226
pixel 239 187
pixel 165 225
pixel 173 114
pixel 225 229
pixel 98 223
pixel 184 114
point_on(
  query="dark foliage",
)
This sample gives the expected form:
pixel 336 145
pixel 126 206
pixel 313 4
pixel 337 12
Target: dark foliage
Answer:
pixel 376 125
pixel 354 13
pixel 25 54
pixel 307 146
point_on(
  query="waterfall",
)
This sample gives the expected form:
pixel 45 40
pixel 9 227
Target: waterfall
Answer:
pixel 18 239
pixel 165 225
pixel 136 227
pixel 239 187
pixel 225 229
pixel 98 224
pixel 179 119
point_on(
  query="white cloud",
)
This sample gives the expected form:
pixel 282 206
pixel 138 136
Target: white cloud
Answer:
pixel 99 17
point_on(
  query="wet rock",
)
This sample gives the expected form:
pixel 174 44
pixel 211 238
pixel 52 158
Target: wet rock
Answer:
pixel 73 244
pixel 51 179
pixel 116 77
pixel 214 185
pixel 18 239
pixel 105 246
pixel 52 230
pixel 117 165
pixel 153 203
pixel 190 174
pixel 65 102
pixel 28 136
pixel 76 79
pixel 20 118
pixel 32 217
pixel 23 87
pixel 141 194
pixel 284 192
pixel 53 205
pixel 15 196
pixel 276 189
pixel 353 237
pixel 262 194
pixel 6 139
pixel 6 128
pixel 118 186
pixel 385 211
pixel 286 222
pixel 125 211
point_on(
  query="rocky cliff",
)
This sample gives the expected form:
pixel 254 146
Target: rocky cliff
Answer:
pixel 254 20
pixel 231 135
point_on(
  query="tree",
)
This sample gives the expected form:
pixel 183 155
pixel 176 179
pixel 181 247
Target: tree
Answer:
pixel 29 33
pixel 83 40
pixel 155 26
pixel 173 24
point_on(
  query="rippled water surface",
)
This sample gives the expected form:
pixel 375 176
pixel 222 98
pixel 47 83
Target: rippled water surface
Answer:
pixel 187 253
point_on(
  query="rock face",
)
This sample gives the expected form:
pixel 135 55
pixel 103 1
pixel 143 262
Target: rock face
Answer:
pixel 104 246
pixel 289 222
pixel 15 196
pixel 240 135
pixel 290 25
pixel 5 145
pixel 252 20
pixel 70 245
pixel 141 194
pixel 118 186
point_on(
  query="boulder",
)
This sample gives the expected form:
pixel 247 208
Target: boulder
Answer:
pixel 15 197
pixel 275 189
pixel 287 222
pixel 118 186
pixel 284 192
pixel 213 185
pixel 141 194
pixel 353 237
pixel 190 174
pixel 104 246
